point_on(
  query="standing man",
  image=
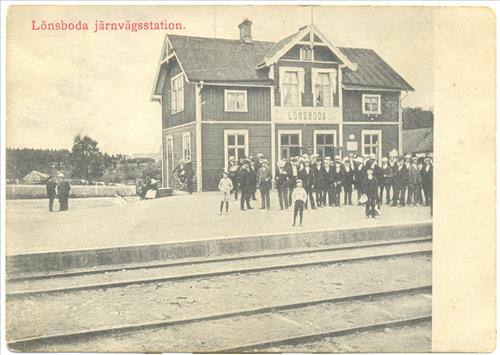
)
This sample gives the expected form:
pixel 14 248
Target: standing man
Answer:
pixel 245 184
pixel 293 173
pixel 400 177
pixel 306 174
pixel 319 182
pixel 427 181
pixel 414 183
pixel 348 182
pixel 327 182
pixel 385 181
pixel 359 175
pixel 253 178
pixel 338 178
pixel 63 188
pixel 234 169
pixel 282 184
pixel 264 181
pixel 51 192
pixel 188 167
pixel 370 187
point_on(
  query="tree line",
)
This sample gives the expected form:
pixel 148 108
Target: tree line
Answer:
pixel 83 162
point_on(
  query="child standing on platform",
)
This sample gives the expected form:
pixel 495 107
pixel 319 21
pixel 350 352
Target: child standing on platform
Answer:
pixel 299 198
pixel 225 187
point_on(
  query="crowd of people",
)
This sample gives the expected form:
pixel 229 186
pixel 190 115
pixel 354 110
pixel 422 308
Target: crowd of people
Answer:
pixel 310 181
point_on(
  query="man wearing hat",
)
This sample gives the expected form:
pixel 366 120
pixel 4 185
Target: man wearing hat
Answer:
pixel 306 174
pixel 400 178
pixel 337 180
pixel 233 169
pixel 253 177
pixel 327 182
pixel 264 182
pixel 318 182
pixel 427 181
pixel 51 186
pixel 281 180
pixel 359 175
pixel 348 182
pixel 188 167
pixel 245 181
pixel 414 182
pixel 370 188
pixel 63 189
pixel 384 179
pixel 292 170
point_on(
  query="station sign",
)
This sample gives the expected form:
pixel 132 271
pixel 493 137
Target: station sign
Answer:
pixel 306 115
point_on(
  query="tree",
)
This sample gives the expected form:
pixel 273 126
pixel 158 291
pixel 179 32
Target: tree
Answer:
pixel 86 160
pixel 416 117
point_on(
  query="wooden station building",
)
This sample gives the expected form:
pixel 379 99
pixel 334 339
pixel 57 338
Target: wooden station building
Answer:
pixel 224 97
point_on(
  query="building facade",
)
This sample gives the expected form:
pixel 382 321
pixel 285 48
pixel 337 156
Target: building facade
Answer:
pixel 223 98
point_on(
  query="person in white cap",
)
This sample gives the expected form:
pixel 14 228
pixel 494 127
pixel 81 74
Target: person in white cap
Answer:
pixel 63 189
pixel 359 175
pixel 385 181
pixel 299 198
pixel 337 180
pixel 281 180
pixel 264 182
pixel 234 169
pixel 225 187
pixel 327 182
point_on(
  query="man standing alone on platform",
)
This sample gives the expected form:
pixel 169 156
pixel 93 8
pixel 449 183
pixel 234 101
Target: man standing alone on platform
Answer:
pixel 51 192
pixel 264 181
pixel 63 188
pixel 245 184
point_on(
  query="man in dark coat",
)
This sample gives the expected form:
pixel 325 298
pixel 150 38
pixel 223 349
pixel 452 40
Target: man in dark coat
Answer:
pixel 253 178
pixel 337 180
pixel 292 170
pixel 282 185
pixel 427 181
pixel 306 174
pixel 265 182
pixel 370 188
pixel 384 179
pixel 327 182
pixel 234 169
pixel 359 175
pixel 348 182
pixel 245 181
pixel 63 189
pixel 414 183
pixel 400 178
pixel 51 192
pixel 188 167
pixel 319 182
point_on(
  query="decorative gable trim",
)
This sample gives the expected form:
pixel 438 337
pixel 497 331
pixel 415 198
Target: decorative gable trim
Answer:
pixel 298 37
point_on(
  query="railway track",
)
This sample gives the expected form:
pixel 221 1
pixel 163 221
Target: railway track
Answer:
pixel 39 285
pixel 390 307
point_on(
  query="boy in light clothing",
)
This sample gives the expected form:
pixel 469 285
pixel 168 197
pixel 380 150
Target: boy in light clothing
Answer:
pixel 299 198
pixel 225 187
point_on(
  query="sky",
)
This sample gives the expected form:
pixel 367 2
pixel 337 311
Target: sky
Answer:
pixel 62 83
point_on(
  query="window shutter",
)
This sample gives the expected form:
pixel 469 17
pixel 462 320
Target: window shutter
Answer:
pixel 333 81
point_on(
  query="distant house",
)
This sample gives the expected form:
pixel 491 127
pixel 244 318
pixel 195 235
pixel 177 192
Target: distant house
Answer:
pixel 223 98
pixel 419 141
pixel 35 177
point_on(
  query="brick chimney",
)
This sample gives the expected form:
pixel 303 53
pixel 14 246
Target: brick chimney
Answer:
pixel 246 31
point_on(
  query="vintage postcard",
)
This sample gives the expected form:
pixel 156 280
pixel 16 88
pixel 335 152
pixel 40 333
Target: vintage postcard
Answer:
pixel 248 179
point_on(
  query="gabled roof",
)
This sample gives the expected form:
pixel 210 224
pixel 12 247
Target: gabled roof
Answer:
pixel 372 71
pixel 418 140
pixel 232 61
pixel 285 44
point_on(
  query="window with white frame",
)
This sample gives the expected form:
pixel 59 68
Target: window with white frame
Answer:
pixel 235 145
pixel 177 93
pixel 235 100
pixel 306 54
pixel 186 145
pixel 324 88
pixel 289 144
pixel 291 86
pixel 324 142
pixel 371 104
pixel 372 143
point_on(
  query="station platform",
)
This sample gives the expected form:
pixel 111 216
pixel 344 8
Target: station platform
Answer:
pixel 96 232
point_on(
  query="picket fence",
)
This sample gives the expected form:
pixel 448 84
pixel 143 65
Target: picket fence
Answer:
pixel 78 191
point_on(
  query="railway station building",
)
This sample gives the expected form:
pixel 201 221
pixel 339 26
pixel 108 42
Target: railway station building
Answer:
pixel 240 97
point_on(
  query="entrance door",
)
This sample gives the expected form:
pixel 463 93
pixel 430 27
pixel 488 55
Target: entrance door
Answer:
pixel 170 161
pixel 290 143
pixel 235 145
pixel 371 143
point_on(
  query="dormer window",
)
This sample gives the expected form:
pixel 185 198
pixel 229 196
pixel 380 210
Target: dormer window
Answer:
pixel 306 54
pixel 324 87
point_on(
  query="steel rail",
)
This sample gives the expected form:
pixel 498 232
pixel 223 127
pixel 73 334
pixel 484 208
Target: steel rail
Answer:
pixel 19 344
pixel 174 278
pixel 318 336
pixel 216 259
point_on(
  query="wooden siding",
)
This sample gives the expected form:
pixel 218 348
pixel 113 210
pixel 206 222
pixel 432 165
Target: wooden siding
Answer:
pixel 307 134
pixel 307 96
pixel 176 133
pixel 258 103
pixel 389 136
pixel 188 115
pixel 353 102
pixel 259 139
